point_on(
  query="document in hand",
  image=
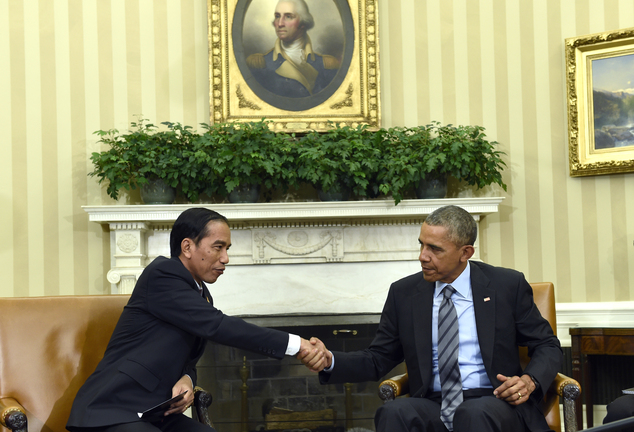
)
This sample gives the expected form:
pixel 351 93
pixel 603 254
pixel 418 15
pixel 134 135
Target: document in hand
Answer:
pixel 158 410
pixel 628 391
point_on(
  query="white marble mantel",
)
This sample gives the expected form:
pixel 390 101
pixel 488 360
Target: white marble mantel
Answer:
pixel 292 258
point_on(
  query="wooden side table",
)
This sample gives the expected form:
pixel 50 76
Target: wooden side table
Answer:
pixel 595 341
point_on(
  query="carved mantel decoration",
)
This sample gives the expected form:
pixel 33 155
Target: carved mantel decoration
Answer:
pixel 330 248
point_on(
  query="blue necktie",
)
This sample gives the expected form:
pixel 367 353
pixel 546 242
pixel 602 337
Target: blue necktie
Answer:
pixel 448 341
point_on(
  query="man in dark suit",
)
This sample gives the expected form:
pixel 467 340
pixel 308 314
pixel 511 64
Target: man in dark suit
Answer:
pixel 495 313
pixel 161 334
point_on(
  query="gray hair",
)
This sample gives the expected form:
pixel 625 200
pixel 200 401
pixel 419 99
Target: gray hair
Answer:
pixel 461 227
pixel 305 17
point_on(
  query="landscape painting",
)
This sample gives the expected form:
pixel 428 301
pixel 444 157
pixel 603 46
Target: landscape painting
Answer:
pixel 613 101
pixel 600 96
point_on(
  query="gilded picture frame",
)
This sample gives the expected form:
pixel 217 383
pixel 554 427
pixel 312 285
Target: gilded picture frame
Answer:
pixel 246 83
pixel 600 92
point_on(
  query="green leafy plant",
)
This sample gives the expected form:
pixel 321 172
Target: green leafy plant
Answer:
pixel 140 155
pixel 250 154
pixel 230 155
pixel 402 164
pixel 463 152
pixel 342 157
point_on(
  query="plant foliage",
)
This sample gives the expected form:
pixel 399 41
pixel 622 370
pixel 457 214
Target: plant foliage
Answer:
pixel 341 158
pixel 249 154
pixel 344 158
pixel 140 155
pixel 463 152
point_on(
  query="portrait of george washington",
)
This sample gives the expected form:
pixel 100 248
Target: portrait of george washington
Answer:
pixel 293 54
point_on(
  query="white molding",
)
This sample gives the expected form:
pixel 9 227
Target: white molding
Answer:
pixel 343 254
pixel 592 314
pixel 283 211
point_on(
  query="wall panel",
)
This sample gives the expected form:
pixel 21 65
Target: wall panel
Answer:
pixel 78 66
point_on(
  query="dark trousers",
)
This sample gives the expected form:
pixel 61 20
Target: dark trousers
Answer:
pixel 172 423
pixel 476 413
pixel 620 408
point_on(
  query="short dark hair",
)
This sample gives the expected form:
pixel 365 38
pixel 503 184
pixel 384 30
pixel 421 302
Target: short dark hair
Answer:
pixel 192 223
pixel 461 227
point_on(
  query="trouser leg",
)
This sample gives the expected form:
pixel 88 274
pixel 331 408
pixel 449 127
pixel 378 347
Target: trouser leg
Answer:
pixel 409 415
pixel 487 414
pixel 182 423
pixel 172 423
pixel 139 426
pixel 620 408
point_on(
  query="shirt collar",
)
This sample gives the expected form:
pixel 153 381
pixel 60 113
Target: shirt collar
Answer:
pixel 462 284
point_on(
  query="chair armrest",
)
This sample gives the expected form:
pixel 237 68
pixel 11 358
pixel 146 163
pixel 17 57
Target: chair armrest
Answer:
pixel 394 387
pixel 202 402
pixel 565 387
pixel 569 389
pixel 12 415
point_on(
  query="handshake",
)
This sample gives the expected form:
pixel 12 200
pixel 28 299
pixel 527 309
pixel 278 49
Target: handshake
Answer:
pixel 314 355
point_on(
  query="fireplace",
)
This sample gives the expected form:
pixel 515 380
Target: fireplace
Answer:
pixel 312 268
pixel 284 395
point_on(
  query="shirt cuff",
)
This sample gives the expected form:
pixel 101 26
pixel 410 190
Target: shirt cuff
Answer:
pixel 332 364
pixel 294 344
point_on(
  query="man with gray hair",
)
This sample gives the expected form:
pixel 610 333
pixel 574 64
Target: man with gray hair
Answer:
pixel 457 324
pixel 292 68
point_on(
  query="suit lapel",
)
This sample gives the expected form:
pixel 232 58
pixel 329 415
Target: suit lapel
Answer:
pixel 199 345
pixel 421 310
pixel 484 309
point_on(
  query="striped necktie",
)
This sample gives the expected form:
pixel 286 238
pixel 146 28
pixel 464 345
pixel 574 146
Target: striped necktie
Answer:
pixel 450 382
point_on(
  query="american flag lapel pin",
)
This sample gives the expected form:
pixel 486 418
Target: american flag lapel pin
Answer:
pixel 486 299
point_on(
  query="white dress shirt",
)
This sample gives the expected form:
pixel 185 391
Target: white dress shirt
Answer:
pixel 470 360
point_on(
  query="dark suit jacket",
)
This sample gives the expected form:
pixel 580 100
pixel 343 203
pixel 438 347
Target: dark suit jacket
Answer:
pixel 508 319
pixel 159 338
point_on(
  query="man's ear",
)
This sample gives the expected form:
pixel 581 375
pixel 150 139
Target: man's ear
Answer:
pixel 467 253
pixel 187 246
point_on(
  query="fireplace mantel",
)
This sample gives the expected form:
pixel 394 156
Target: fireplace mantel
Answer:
pixel 290 257
pixel 291 211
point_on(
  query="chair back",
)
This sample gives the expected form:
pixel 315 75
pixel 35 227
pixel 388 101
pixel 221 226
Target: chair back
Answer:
pixel 48 348
pixel 544 297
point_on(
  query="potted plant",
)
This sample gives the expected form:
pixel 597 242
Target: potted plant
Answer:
pixel 402 163
pixel 143 158
pixel 464 153
pixel 339 161
pixel 246 156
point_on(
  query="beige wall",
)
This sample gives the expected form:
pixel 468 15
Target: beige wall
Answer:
pixel 75 66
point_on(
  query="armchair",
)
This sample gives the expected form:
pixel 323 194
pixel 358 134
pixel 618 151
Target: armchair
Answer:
pixel 48 348
pixel 562 386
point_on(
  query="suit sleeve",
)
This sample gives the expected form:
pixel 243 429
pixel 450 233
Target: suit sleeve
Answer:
pixel 384 353
pixel 173 300
pixel 534 332
pixel 191 371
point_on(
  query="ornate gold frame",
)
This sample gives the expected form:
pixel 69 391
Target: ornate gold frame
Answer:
pixel 584 158
pixel 356 100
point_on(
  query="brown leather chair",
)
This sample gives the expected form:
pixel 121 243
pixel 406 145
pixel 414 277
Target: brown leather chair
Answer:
pixel 48 348
pixel 562 386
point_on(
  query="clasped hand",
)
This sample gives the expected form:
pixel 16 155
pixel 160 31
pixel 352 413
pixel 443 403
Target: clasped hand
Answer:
pixel 514 390
pixel 314 355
